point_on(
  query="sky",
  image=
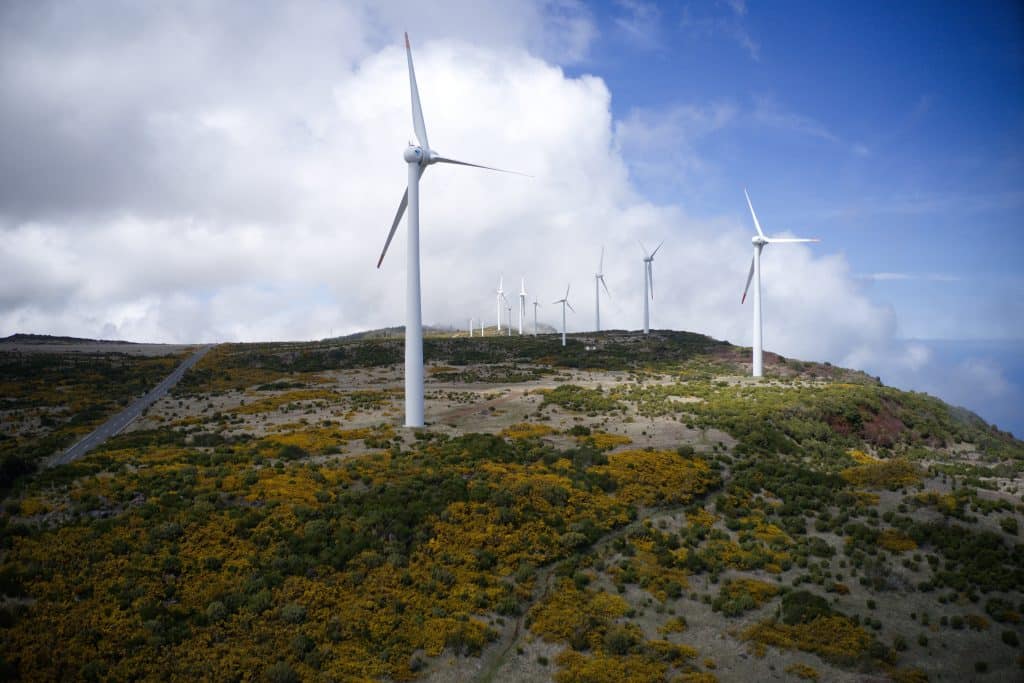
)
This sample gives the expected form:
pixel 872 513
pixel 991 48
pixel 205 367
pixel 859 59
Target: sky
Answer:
pixel 227 171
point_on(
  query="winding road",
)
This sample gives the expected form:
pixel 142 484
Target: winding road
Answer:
pixel 118 422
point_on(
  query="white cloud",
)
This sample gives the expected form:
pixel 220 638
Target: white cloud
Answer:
pixel 640 23
pixel 896 277
pixel 662 146
pixel 243 190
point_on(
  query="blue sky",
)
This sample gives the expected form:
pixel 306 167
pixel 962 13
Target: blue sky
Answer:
pixel 219 171
pixel 893 131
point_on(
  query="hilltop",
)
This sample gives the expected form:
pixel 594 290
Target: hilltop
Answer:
pixel 627 507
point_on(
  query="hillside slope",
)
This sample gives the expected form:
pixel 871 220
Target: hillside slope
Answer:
pixel 624 508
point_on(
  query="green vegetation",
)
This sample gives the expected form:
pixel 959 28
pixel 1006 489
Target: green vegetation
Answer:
pixel 271 518
pixel 50 400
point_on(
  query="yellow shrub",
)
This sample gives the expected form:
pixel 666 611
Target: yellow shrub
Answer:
pixel 760 591
pixel 883 474
pixel 861 457
pixel 696 677
pixel 909 676
pixel 603 441
pixel 896 541
pixel 702 518
pixel 34 506
pixel 567 609
pixel 526 430
pixel 601 668
pixel 832 637
pixel 803 671
pixel 977 622
pixel 657 477
pixel 673 625
pixel 272 403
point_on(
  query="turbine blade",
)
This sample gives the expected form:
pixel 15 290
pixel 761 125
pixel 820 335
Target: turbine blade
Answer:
pixel 394 226
pixel 750 276
pixel 600 265
pixel 446 160
pixel 756 224
pixel 567 290
pixel 570 306
pixel 643 249
pixel 605 285
pixel 650 277
pixel 789 240
pixel 659 247
pixel 417 111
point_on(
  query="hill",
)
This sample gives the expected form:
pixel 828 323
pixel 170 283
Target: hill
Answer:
pixel 627 507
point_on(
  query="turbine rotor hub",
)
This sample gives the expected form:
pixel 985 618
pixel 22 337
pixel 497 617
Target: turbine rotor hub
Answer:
pixel 757 240
pixel 414 154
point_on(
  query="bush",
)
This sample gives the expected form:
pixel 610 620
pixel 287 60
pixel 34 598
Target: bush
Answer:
pixel 801 607
pixel 1011 639
pixel 280 672
pixel 216 611
pixel 293 613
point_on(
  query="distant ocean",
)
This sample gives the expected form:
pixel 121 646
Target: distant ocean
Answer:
pixel 999 403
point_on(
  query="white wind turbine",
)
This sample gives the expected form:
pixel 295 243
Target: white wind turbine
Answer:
pixel 565 302
pixel 760 241
pixel 418 158
pixel 522 304
pixel 508 307
pixel 535 305
pixel 598 281
pixel 648 284
pixel 500 292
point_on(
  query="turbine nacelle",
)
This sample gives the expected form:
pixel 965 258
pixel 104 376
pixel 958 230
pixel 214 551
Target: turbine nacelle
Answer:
pixel 759 240
pixel 414 154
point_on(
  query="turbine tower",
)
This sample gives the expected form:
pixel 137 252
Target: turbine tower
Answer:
pixel 500 292
pixel 598 281
pixel 759 240
pixel 648 284
pixel 565 302
pixel 522 304
pixel 508 307
pixel 418 158
pixel 535 305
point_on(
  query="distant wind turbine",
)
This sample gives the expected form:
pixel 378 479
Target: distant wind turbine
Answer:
pixel 648 284
pixel 418 158
pixel 535 305
pixel 508 307
pixel 500 292
pixel 565 302
pixel 598 281
pixel 522 304
pixel 760 241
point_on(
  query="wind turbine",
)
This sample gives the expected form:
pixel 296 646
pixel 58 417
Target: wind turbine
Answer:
pixel 470 327
pixel 535 305
pixel 648 284
pixel 599 280
pixel 418 158
pixel 508 307
pixel 500 292
pixel 565 302
pixel 759 240
pixel 522 304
